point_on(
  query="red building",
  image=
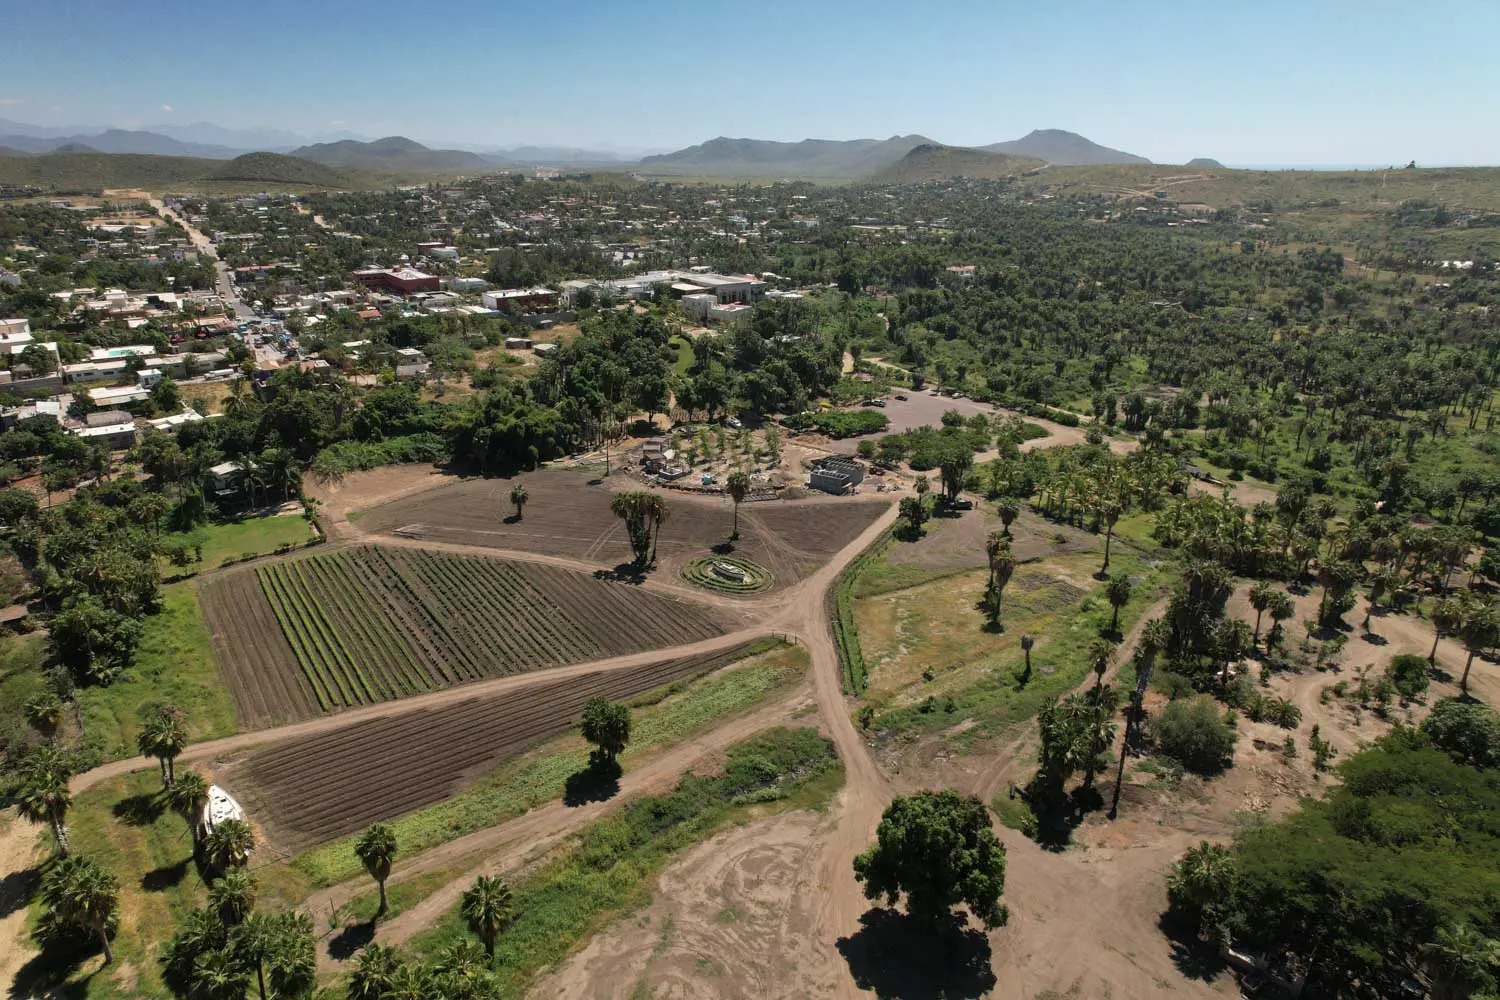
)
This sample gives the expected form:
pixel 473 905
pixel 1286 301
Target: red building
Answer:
pixel 401 280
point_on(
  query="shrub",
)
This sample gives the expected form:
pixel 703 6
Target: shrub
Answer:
pixel 840 423
pixel 1172 684
pixel 1408 673
pixel 1466 731
pixel 1196 734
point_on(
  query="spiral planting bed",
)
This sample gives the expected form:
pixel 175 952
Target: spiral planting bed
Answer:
pixel 728 575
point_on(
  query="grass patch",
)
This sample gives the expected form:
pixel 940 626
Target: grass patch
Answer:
pixel 120 824
pixel 933 663
pixel 685 355
pixel 662 719
pixel 175 663
pixel 1014 813
pixel 240 539
pixel 845 626
pixel 701 573
pixel 611 868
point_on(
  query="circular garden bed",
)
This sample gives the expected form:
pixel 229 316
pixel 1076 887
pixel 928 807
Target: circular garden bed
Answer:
pixel 728 574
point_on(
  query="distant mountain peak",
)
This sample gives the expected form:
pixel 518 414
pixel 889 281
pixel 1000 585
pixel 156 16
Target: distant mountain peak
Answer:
pixel 1063 148
pixel 1205 161
pixel 393 153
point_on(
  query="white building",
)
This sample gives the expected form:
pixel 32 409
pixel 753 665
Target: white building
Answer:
pixel 725 288
pixel 119 395
pixel 15 335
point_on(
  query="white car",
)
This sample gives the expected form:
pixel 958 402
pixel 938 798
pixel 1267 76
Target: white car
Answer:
pixel 733 422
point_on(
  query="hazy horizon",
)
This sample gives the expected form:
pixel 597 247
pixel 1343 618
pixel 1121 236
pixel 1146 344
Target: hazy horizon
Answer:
pixel 1282 82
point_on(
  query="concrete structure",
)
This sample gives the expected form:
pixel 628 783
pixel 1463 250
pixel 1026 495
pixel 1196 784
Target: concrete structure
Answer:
pixel 466 284
pixel 95 371
pixel 520 300
pixel 836 474
pixel 15 335
pixel 518 343
pixel 227 477
pixel 115 429
pixel 119 395
pixel 176 420
pixel 401 280
pixel 725 288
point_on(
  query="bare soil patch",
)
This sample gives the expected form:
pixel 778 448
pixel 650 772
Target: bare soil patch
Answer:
pixel 568 514
pixel 326 786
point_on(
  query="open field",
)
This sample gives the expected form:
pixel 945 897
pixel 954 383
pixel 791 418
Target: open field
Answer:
pixel 566 516
pixel 328 786
pixel 368 624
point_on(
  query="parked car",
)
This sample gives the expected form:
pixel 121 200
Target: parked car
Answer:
pixel 733 422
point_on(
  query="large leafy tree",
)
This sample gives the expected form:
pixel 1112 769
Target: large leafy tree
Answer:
pixel 376 850
pixel 937 850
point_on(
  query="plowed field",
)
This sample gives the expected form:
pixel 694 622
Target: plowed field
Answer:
pixel 364 625
pixel 565 516
pixel 328 786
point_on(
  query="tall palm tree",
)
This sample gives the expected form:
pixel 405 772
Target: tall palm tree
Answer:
pixel 376 850
pixel 78 892
pixel 164 737
pixel 518 498
pixel 1002 568
pixel 1101 651
pixel 1117 591
pixel 486 908
pixel 1027 642
pixel 656 513
pixel 1447 617
pixel 1110 513
pixel 736 486
pixel 1261 595
pixel 255 941
pixel 994 543
pixel 188 796
pixel 229 844
pixel 43 796
pixel 233 896
pixel 1480 631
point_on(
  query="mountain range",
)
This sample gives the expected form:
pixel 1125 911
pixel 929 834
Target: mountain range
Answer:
pixel 393 153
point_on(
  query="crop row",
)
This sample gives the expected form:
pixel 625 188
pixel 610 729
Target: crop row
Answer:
pixel 374 623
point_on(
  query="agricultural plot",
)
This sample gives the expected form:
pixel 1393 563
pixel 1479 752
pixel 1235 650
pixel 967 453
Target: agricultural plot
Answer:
pixel 323 787
pixel 565 516
pixel 369 624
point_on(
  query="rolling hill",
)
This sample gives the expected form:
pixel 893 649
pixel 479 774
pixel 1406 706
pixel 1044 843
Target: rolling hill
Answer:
pixel 115 140
pixel 1205 161
pixel 97 171
pixel 393 154
pixel 932 162
pixel 831 159
pixel 1065 149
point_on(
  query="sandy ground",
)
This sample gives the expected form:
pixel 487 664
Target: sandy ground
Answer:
pixel 22 847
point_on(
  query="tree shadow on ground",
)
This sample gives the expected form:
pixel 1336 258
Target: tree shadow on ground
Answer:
pixel 512 519
pixel 901 959
pixel 347 942
pixel 18 889
pixel 139 810
pixel 165 877
pixel 45 973
pixel 598 782
pixel 722 548
pixel 1194 958
pixel 1057 817
pixel 623 573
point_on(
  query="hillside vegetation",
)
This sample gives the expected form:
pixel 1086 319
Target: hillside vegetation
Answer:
pixel 393 154
pixel 97 171
pixel 932 162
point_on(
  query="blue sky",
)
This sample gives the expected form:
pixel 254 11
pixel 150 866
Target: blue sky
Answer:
pixel 1258 82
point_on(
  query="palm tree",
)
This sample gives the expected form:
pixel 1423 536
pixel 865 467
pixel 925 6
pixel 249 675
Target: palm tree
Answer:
pixel 1009 510
pixel 737 485
pixel 164 737
pixel 518 498
pixel 1110 512
pixel 1460 959
pixel 994 542
pixel 1261 596
pixel 486 908
pixel 1201 881
pixel 1002 567
pixel 44 712
pixel 255 941
pixel 1101 651
pixel 79 893
pixel 1480 631
pixel 188 796
pixel 44 796
pixel 1027 642
pixel 374 973
pixel 1447 616
pixel 1117 591
pixel 230 844
pixel 634 509
pixel 1282 608
pixel 376 849
pixel 233 896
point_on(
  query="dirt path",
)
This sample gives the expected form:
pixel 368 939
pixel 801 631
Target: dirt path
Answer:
pixel 511 844
pixel 20 849
pixel 313 727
